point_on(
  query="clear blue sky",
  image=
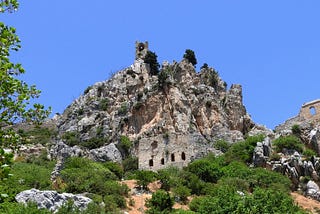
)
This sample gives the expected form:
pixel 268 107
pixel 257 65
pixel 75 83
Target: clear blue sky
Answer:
pixel 271 48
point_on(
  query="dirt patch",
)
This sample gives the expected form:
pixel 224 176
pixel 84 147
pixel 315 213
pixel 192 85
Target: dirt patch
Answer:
pixel 306 203
pixel 136 201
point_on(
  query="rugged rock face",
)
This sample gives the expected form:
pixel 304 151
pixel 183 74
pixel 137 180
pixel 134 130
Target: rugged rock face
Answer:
pixel 51 200
pixel 179 113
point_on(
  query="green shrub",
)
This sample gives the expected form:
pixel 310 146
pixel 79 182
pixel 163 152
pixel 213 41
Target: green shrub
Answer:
pixel 83 175
pixel 206 170
pixel 181 193
pixel 71 138
pixel 87 90
pixel 123 109
pixel 243 151
pixel 228 200
pixel 19 208
pixel 145 177
pixel 204 66
pixel 38 134
pixel 114 167
pixel 163 78
pixel 151 59
pixel 161 202
pixel 130 164
pixel 222 145
pixel 296 129
pixel 125 145
pixel 309 153
pixel 93 143
pixel 288 142
pixel 190 56
pixel 26 175
pixel 104 104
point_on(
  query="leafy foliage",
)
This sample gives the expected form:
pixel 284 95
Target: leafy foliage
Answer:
pixel 243 151
pixel 151 59
pixel 37 134
pixel 29 173
pixel 104 104
pixel 296 129
pixel 161 202
pixel 222 145
pixel 163 78
pixel 288 142
pixel 145 177
pixel 125 145
pixel 190 56
pixel 83 175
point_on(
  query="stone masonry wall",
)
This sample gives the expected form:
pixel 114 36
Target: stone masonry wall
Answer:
pixel 310 110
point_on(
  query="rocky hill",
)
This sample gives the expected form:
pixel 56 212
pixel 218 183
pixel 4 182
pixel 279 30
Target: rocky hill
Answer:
pixel 171 118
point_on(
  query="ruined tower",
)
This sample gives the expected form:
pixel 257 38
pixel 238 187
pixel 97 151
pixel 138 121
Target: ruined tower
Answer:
pixel 141 50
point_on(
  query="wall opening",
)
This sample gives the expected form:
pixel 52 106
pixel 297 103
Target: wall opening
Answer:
pixel 183 156
pixel 312 110
pixel 154 145
pixel 162 161
pixel 172 158
pixel 151 162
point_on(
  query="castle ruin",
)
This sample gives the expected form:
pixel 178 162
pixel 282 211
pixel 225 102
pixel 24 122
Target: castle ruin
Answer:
pixel 310 110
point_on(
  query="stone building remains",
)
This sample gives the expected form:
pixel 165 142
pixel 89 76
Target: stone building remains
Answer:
pixel 310 110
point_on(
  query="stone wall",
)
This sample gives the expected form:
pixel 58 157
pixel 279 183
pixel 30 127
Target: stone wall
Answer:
pixel 141 49
pixel 170 150
pixel 310 110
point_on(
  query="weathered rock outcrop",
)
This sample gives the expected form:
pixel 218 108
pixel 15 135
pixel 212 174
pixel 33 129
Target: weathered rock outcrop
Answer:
pixel 51 200
pixel 192 110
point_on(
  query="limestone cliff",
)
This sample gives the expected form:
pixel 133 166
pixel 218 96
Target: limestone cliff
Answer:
pixel 172 117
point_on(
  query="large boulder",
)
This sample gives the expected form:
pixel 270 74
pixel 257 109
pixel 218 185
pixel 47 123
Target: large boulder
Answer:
pixel 106 153
pixel 51 200
pixel 262 152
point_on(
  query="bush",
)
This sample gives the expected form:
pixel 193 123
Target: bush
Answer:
pixel 71 138
pixel 104 104
pixel 93 143
pixel 38 134
pixel 87 90
pixel 123 109
pixel 222 145
pixel 116 168
pixel 26 176
pixel 125 145
pixel 145 177
pixel 130 164
pixel 190 56
pixel 151 59
pixel 161 202
pixel 296 129
pixel 181 193
pixel 83 175
pixel 288 142
pixel 309 153
pixel 206 170
pixel 204 66
pixel 19 208
pixel 163 78
pixel 243 151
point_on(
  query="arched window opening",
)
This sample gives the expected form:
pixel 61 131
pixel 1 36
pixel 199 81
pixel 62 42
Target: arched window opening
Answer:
pixel 172 158
pixel 312 110
pixel 150 162
pixel 183 156
pixel 162 161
